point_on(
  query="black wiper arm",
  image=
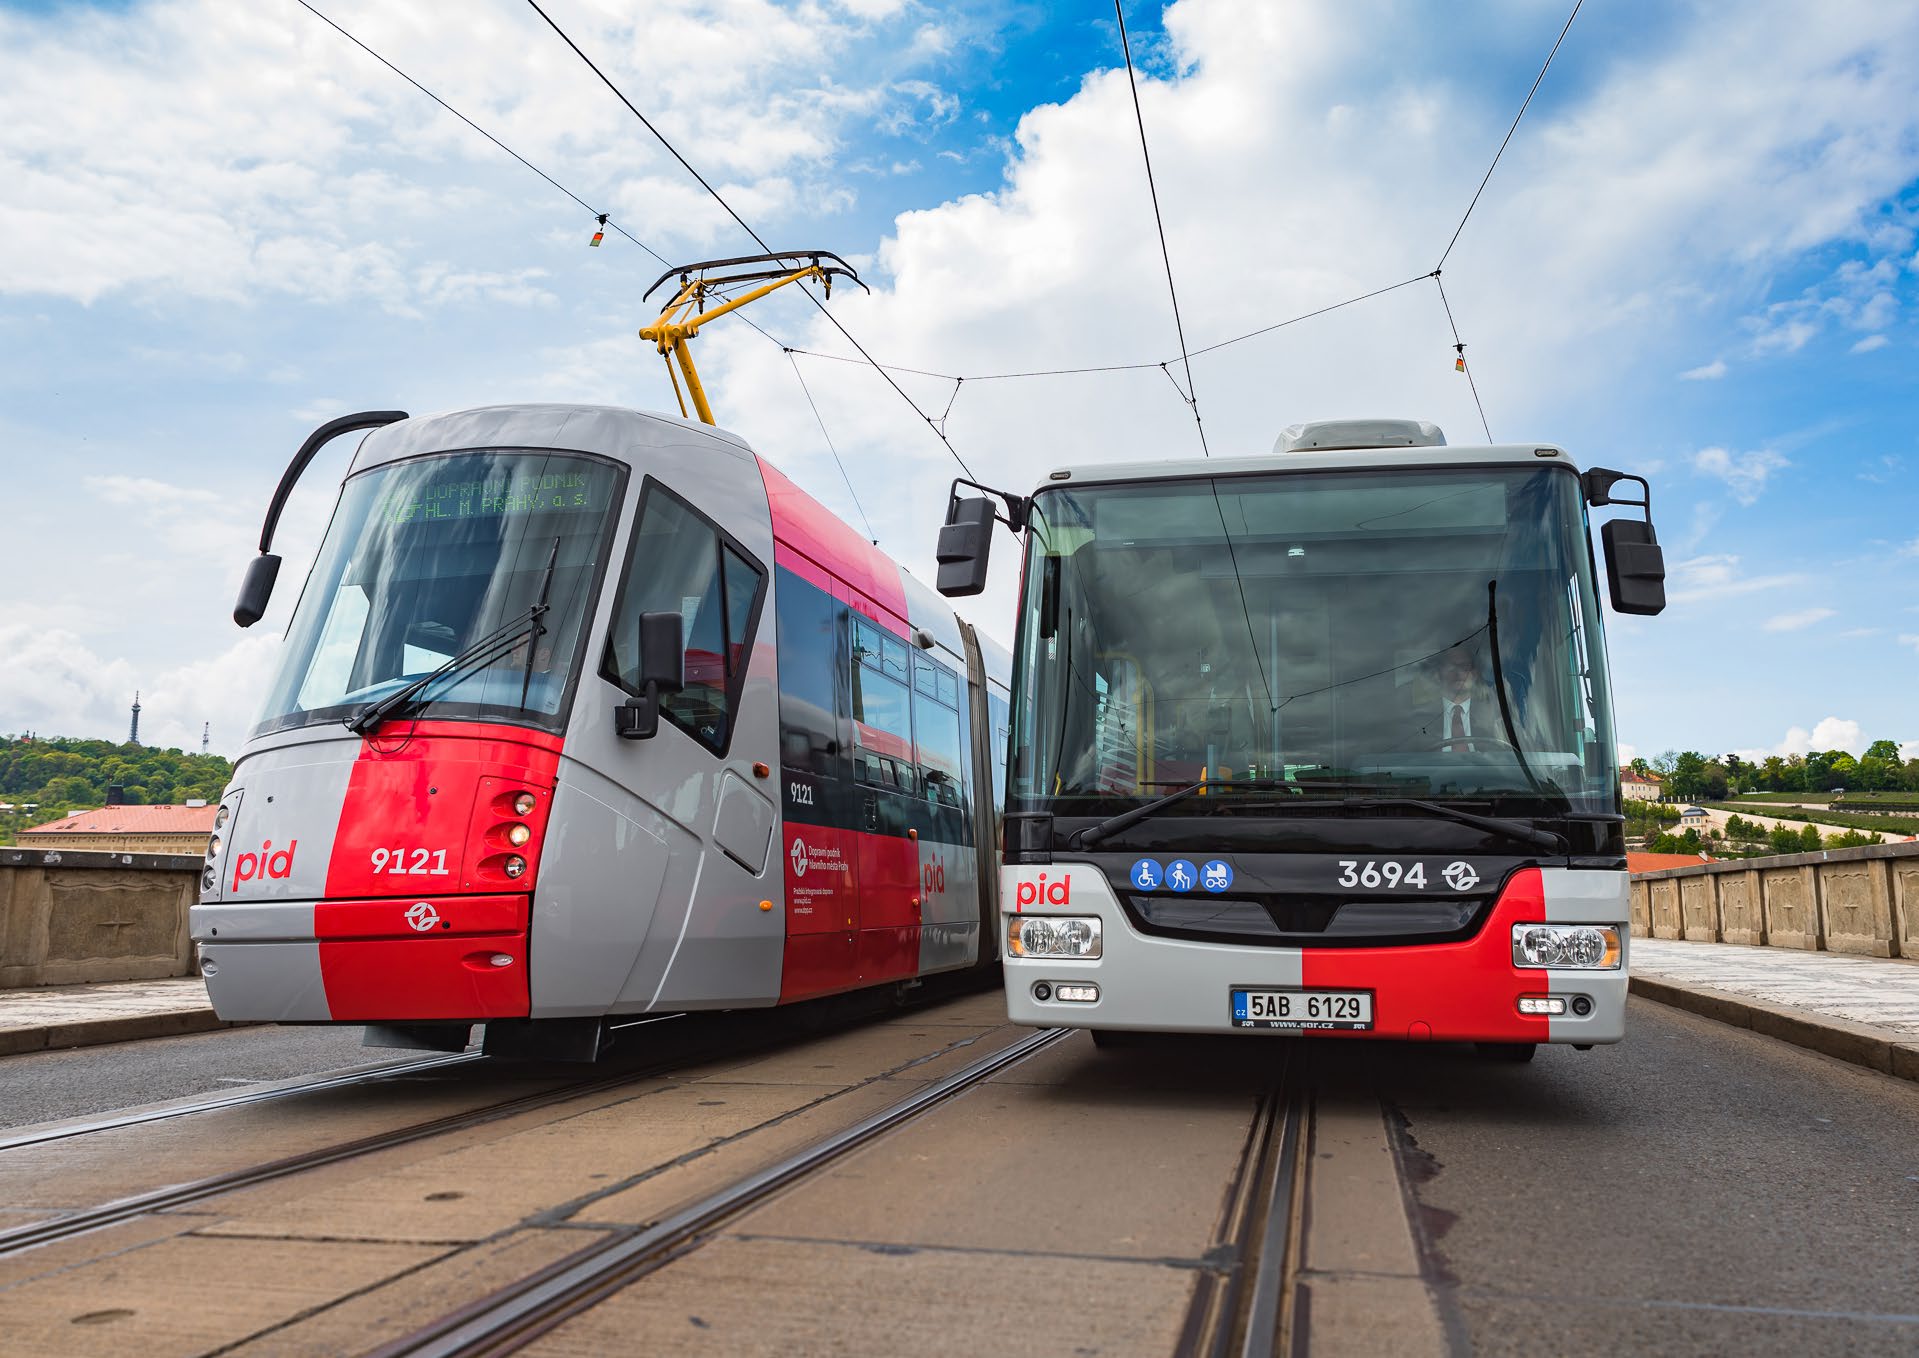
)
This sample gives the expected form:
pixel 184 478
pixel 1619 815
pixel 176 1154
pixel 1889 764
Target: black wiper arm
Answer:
pixel 1112 825
pixel 1512 829
pixel 488 648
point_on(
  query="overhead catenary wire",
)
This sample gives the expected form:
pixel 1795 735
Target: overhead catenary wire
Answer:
pixel 1459 347
pixel 720 198
pixel 1191 394
pixel 871 536
pixel 1487 177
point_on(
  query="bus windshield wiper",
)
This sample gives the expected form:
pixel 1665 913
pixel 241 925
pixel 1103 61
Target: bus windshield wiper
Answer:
pixel 1512 829
pixel 1112 825
pixel 487 649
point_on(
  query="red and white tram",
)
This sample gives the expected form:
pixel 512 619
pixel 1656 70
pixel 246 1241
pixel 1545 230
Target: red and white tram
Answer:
pixel 587 712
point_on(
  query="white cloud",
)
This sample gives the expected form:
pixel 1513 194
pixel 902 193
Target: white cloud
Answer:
pixel 1869 343
pixel 1706 372
pixel 1717 577
pixel 1793 622
pixel 1910 549
pixel 1909 639
pixel 1745 474
pixel 1829 733
pixel 1626 753
pixel 1852 633
pixel 1909 749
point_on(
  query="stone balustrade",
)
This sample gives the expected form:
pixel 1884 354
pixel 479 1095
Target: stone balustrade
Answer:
pixel 1863 901
pixel 79 916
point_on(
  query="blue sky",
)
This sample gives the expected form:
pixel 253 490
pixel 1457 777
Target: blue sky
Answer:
pixel 1697 260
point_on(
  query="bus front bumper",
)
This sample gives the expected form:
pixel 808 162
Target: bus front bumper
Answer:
pixel 1448 992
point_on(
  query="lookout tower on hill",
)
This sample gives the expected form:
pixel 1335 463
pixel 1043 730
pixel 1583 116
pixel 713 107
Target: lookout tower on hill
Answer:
pixel 133 732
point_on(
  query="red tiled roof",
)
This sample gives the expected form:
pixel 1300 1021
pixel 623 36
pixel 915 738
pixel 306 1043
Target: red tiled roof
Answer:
pixel 134 820
pixel 1658 862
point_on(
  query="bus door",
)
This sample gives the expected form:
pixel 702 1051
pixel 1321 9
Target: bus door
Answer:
pixel 887 789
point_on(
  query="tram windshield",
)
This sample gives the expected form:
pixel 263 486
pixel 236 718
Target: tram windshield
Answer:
pixel 424 558
pixel 1412 633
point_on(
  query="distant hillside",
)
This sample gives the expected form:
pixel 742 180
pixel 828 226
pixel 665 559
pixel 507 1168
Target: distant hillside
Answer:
pixel 55 776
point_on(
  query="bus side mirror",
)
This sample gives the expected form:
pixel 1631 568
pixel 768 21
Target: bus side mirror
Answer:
pixel 965 544
pixel 662 670
pixel 1635 567
pixel 256 590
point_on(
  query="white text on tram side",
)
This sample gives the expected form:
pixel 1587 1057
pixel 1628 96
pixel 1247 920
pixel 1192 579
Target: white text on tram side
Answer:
pixel 425 862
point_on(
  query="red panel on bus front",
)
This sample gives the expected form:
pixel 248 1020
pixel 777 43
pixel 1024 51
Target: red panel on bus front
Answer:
pixel 1470 987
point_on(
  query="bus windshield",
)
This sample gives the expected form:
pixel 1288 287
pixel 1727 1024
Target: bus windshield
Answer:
pixel 1409 633
pixel 426 557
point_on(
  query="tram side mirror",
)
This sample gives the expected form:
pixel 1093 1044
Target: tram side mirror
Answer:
pixel 662 670
pixel 256 590
pixel 1635 567
pixel 965 544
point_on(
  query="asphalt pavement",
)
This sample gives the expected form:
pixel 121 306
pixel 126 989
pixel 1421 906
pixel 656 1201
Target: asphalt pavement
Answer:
pixel 85 1081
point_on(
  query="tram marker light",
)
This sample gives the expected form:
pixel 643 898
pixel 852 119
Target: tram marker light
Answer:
pixel 1587 947
pixel 220 817
pixel 517 834
pixel 515 865
pixel 1053 936
pixel 523 804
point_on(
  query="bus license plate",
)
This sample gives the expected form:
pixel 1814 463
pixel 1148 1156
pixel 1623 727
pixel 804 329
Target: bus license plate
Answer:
pixel 1303 1009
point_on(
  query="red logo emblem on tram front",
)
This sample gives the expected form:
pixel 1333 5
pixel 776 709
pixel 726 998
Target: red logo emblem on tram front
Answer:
pixel 266 863
pixel 1044 892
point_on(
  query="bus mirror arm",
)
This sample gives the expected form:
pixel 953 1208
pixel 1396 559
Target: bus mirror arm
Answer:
pixel 1635 564
pixel 256 590
pixel 662 670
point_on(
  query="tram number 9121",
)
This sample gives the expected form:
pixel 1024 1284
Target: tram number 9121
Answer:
pixel 410 863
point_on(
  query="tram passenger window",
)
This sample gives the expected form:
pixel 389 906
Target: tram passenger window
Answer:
pixel 882 715
pixel 937 727
pixel 809 675
pixel 678 564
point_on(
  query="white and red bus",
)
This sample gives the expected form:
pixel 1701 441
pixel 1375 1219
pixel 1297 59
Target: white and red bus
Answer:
pixel 1317 742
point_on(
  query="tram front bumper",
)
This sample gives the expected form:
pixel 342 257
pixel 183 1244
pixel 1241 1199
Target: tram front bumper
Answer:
pixel 1461 991
pixel 378 961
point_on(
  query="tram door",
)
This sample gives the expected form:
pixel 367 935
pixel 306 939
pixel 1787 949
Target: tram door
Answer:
pixel 887 786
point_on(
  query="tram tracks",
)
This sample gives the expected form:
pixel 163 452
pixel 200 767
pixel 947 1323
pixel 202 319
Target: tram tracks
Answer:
pixel 174 1196
pixel 515 1315
pixel 1244 1305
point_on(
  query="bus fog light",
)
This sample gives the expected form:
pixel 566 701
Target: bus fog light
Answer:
pixel 515 865
pixel 1077 994
pixel 1053 936
pixel 1583 946
pixel 1542 1004
pixel 1582 1005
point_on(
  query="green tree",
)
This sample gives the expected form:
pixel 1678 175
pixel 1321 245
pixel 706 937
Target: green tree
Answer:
pixel 1688 779
pixel 1887 750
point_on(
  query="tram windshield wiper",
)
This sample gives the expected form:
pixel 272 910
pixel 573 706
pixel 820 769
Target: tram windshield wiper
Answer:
pixel 487 649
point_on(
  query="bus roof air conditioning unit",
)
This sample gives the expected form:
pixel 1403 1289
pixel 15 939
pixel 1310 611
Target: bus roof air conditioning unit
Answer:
pixel 1323 435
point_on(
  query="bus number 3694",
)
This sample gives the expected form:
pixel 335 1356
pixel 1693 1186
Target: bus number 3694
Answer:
pixel 1388 874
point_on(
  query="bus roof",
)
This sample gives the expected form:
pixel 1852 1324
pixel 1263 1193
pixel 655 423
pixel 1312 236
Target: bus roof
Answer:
pixel 1332 459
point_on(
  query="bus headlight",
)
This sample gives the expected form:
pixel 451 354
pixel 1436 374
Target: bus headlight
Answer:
pixel 1052 936
pixel 1593 947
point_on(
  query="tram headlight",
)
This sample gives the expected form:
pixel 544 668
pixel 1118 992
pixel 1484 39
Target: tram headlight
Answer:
pixel 213 846
pixel 517 834
pixel 514 865
pixel 208 877
pixel 1591 947
pixel 523 804
pixel 220 819
pixel 1053 936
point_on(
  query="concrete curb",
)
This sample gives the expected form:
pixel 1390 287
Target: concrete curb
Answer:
pixel 98 1032
pixel 1857 1043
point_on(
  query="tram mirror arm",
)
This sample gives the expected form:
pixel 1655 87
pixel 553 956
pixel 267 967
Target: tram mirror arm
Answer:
pixel 662 670
pixel 256 589
pixel 1635 564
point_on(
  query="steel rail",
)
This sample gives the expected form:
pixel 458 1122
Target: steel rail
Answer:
pixel 522 1311
pixel 365 1075
pixel 41 1233
pixel 1243 1303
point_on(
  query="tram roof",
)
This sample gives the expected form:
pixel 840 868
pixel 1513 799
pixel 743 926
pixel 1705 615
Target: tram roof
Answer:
pixel 1331 459
pixel 611 431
